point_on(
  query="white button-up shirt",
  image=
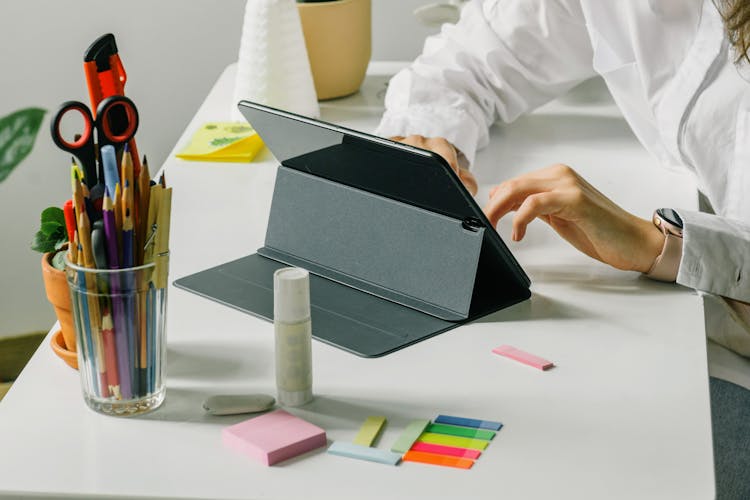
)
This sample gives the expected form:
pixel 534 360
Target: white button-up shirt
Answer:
pixel 668 66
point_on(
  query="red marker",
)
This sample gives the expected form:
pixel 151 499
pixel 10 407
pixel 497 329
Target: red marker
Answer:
pixel 70 219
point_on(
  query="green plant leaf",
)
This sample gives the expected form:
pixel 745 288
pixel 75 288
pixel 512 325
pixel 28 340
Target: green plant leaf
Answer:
pixel 17 134
pixel 53 214
pixel 52 234
pixel 49 228
pixel 42 243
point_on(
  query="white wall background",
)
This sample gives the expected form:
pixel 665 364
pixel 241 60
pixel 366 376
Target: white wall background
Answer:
pixel 172 50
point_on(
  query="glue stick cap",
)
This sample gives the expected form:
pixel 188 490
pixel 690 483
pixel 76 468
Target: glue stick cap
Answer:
pixel 291 295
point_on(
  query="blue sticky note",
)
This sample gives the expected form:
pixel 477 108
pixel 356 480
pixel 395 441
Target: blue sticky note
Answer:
pixel 351 450
pixel 468 422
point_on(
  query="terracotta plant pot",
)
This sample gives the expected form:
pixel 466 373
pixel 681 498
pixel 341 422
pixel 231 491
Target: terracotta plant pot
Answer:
pixel 338 41
pixel 58 346
pixel 56 286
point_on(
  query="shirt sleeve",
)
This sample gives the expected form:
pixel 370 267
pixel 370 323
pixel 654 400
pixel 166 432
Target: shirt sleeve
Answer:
pixel 502 59
pixel 715 255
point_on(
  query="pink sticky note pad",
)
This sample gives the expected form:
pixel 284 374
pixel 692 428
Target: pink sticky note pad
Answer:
pixel 523 357
pixel 274 437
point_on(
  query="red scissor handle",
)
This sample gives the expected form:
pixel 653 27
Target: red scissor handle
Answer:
pixel 117 117
pixel 88 126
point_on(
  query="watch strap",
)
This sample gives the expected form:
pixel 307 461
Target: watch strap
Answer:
pixel 667 264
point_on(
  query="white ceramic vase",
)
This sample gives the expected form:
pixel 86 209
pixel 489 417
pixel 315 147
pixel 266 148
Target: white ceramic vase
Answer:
pixel 273 67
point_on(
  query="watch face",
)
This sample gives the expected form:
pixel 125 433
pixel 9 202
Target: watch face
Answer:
pixel 670 216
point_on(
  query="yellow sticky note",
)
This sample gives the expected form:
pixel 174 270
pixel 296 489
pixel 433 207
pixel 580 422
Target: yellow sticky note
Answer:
pixel 369 431
pixel 219 141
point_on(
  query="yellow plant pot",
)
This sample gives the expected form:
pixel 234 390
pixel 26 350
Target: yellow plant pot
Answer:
pixel 338 40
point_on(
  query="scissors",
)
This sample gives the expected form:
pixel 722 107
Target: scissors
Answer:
pixel 116 123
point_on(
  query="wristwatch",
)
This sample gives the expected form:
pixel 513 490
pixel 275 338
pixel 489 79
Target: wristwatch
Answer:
pixel 667 264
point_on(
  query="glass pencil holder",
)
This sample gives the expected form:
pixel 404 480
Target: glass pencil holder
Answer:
pixel 120 322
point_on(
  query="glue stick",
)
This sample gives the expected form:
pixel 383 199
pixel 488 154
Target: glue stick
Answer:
pixel 293 336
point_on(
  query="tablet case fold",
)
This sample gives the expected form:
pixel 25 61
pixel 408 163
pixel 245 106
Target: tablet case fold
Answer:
pixel 420 259
pixel 385 274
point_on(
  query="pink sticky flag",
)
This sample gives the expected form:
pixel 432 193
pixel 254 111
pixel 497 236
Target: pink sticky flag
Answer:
pixel 450 451
pixel 523 357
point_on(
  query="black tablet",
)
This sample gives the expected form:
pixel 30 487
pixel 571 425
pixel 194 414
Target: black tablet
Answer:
pixel 397 248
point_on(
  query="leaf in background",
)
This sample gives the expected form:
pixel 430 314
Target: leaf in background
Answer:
pixel 17 134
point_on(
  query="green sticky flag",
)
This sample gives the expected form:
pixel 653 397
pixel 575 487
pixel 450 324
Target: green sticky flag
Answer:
pixel 17 134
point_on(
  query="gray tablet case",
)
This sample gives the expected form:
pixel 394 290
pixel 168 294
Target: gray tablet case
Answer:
pixel 385 273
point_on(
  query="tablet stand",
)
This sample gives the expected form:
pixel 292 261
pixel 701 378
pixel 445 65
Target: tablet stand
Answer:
pixel 385 274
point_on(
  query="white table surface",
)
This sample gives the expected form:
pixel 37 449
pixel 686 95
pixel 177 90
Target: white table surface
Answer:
pixel 625 413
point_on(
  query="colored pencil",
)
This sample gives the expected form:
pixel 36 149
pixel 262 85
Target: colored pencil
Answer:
pixel 118 217
pixel 144 194
pixel 108 338
pixel 84 234
pixel 118 307
pixel 161 244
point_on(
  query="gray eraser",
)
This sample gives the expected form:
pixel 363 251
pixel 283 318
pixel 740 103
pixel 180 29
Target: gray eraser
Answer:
pixel 226 404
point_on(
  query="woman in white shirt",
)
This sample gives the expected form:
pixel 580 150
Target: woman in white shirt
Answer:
pixel 677 79
pixel 674 67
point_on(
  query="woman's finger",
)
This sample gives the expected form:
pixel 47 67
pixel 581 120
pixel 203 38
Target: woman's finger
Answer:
pixel 533 206
pixel 444 149
pixel 510 194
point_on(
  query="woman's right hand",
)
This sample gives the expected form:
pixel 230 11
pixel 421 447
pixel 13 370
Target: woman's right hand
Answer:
pixel 445 149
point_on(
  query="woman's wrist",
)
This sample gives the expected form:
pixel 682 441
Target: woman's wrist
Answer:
pixel 651 244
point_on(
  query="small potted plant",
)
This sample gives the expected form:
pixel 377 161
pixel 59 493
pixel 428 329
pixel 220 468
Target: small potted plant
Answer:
pixel 338 40
pixel 52 241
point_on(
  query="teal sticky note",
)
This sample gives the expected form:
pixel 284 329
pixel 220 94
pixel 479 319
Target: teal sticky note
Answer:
pixel 351 450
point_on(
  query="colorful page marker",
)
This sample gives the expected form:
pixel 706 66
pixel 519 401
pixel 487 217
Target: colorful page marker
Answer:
pixel 411 434
pixel 454 430
pixel 468 422
pixel 430 458
pixel 351 450
pixel 369 431
pixel 458 442
pixel 274 437
pixel 450 451
pixel 523 357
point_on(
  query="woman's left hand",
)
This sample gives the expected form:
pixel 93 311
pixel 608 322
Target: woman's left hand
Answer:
pixel 587 219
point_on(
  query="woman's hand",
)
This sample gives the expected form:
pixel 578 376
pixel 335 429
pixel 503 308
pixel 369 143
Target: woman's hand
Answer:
pixel 445 149
pixel 590 221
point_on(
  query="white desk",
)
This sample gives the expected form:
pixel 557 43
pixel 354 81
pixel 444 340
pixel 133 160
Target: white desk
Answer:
pixel 625 414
